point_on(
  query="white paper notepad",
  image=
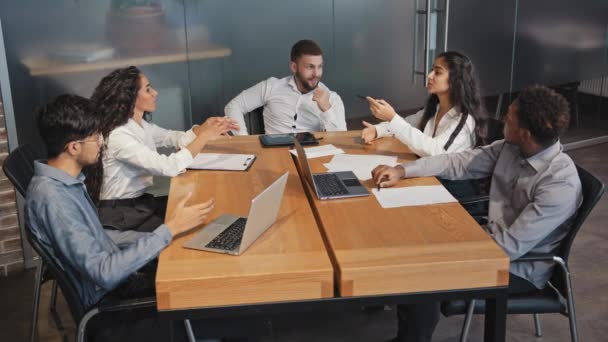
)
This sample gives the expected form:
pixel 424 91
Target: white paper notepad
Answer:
pixel 412 195
pixel 222 161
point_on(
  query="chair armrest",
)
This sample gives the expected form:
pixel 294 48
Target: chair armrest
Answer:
pixel 474 199
pixel 535 257
pixel 110 304
pixel 107 226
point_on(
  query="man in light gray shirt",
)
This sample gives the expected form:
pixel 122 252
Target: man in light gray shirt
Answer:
pixel 296 103
pixel 535 190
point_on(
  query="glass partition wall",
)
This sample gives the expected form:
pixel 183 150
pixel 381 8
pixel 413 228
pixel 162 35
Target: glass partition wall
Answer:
pixel 201 53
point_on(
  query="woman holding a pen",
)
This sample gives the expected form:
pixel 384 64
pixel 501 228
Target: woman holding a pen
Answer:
pixel 449 122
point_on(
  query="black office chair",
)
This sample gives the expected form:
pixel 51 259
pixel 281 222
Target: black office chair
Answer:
pixel 19 169
pixel 557 297
pixel 80 313
pixel 254 121
pixel 19 166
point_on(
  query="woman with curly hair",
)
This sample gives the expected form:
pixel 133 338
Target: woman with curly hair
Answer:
pixel 450 120
pixel 118 182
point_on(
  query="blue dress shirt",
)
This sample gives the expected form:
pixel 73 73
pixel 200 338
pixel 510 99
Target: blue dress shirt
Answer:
pixel 60 214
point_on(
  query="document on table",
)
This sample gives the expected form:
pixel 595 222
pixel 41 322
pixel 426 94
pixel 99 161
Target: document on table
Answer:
pixel 222 161
pixel 360 164
pixel 412 196
pixel 319 151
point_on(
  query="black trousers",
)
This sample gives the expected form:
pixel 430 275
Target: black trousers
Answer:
pixel 417 322
pixel 141 325
pixel 144 213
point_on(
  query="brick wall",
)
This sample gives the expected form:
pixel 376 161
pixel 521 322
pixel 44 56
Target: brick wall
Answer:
pixel 11 254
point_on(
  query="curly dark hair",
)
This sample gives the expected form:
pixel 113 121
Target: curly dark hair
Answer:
pixel 544 112
pixel 114 97
pixel 464 92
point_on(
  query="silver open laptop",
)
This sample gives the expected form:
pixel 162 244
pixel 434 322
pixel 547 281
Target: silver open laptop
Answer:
pixel 330 185
pixel 233 234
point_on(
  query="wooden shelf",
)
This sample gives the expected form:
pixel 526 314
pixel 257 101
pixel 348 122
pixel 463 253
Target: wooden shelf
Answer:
pixel 43 66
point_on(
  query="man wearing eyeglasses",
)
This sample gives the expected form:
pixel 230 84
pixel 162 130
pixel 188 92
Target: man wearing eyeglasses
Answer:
pixel 62 218
pixel 296 103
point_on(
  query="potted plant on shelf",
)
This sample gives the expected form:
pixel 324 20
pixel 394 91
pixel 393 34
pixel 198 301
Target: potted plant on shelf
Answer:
pixel 136 25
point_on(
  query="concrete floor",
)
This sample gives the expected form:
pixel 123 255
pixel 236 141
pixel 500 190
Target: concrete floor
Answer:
pixel 588 262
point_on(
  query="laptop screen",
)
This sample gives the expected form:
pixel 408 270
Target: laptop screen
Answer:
pixel 304 162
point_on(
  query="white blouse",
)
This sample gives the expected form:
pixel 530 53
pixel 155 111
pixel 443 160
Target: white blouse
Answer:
pixel 131 158
pixel 424 143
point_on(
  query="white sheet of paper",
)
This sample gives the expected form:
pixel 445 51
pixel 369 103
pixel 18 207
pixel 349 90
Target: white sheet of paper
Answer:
pixel 221 161
pixel 361 172
pixel 319 151
pixel 412 196
pixel 363 158
pixel 360 165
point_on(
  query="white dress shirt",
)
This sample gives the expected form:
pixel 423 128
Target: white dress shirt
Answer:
pixel 424 143
pixel 282 100
pixel 131 159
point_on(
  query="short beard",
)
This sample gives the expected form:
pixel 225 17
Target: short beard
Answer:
pixel 304 83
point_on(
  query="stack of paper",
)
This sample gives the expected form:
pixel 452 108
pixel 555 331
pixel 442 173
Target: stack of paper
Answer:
pixel 412 195
pixel 319 151
pixel 360 164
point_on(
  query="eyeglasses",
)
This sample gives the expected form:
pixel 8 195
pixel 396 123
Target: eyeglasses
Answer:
pixel 99 141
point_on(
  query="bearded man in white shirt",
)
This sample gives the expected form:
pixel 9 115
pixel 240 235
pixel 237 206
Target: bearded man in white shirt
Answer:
pixel 296 103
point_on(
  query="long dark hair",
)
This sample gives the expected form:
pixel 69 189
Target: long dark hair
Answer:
pixel 114 98
pixel 464 92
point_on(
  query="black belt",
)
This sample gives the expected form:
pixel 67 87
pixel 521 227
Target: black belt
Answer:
pixel 126 202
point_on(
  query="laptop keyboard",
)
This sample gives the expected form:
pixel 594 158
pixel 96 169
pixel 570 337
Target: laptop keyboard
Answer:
pixel 329 184
pixel 231 237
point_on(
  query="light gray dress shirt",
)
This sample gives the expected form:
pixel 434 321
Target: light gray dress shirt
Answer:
pixel 530 198
pixel 62 217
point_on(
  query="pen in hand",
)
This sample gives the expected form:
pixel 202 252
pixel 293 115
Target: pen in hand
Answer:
pixel 380 181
